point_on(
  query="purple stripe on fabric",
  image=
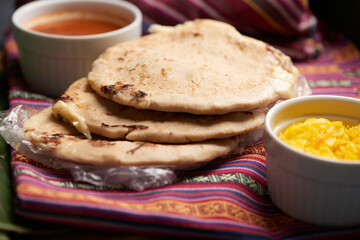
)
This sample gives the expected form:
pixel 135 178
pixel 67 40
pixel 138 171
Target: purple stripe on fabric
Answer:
pixel 278 18
pixel 350 64
pixel 300 25
pixel 295 15
pixel 47 173
pixel 159 12
pixel 153 230
pixel 299 4
pixel 206 10
pixel 234 15
pixel 292 9
pixel 106 212
pixel 14 104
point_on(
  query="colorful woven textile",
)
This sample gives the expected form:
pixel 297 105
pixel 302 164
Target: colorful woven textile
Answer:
pixel 225 199
pixel 287 25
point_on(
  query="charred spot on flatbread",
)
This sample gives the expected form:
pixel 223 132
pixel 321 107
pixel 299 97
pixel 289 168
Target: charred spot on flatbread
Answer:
pixel 115 121
pixel 109 89
pixel 214 69
pixel 100 143
pixel 53 139
pixel 139 145
pixel 62 142
pixel 65 98
pixel 134 127
pixel 138 95
pixel 126 86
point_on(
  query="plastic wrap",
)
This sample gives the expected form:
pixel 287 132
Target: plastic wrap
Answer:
pixel 302 87
pixel 132 177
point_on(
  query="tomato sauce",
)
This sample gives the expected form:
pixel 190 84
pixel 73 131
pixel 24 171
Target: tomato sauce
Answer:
pixel 76 25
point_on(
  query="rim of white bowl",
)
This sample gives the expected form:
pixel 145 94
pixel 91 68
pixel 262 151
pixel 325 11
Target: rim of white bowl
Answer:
pixel 35 4
pixel 298 100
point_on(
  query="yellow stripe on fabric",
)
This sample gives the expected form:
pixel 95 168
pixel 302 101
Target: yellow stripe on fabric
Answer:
pixel 346 53
pixel 319 69
pixel 305 3
pixel 216 209
pixel 261 12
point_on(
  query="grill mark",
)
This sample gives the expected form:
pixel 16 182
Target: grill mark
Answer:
pixel 126 86
pixel 140 127
pixel 130 128
pixel 64 98
pixel 138 95
pixel 54 138
pixel 109 89
pixel 100 143
pixel 140 145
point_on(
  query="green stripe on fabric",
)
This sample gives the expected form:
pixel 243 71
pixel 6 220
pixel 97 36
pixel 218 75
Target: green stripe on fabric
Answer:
pixel 28 95
pixel 354 73
pixel 228 177
pixel 65 184
pixel 330 83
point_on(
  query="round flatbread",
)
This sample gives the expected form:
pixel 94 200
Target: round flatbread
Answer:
pixel 199 67
pixel 91 113
pixel 52 138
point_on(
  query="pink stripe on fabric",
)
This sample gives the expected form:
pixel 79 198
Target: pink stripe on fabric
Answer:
pixel 169 11
pixel 288 17
pixel 183 7
pixel 164 9
pixel 232 13
pixel 154 11
pixel 30 101
pixel 255 20
pixel 206 8
pixel 300 4
pixel 293 12
pixel 116 212
pixel 295 7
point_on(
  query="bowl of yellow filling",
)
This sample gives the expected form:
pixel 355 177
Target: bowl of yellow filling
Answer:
pixel 312 146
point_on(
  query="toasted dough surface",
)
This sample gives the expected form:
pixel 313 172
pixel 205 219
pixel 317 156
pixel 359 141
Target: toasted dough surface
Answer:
pixel 109 119
pixel 200 67
pixel 56 139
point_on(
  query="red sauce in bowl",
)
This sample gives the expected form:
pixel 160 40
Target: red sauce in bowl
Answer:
pixel 75 23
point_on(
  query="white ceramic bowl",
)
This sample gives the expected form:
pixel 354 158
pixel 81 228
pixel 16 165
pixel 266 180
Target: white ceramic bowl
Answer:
pixel 50 63
pixel 310 188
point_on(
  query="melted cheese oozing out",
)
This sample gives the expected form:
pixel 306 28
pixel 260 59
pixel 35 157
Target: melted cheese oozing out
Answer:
pixel 320 136
pixel 68 114
pixel 283 81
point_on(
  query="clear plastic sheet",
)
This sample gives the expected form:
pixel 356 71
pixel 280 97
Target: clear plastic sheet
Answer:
pixel 133 177
pixel 302 87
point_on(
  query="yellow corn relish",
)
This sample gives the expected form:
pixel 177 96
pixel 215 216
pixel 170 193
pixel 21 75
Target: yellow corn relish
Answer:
pixel 326 138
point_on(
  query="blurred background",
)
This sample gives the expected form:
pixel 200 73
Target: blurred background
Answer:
pixel 342 15
pixel 6 10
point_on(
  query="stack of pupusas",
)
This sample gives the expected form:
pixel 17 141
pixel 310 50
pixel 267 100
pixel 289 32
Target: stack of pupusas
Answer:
pixel 180 95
